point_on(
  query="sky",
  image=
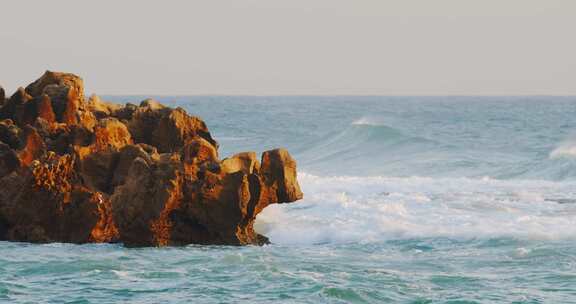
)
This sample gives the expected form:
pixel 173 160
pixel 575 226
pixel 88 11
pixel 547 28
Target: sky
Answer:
pixel 294 47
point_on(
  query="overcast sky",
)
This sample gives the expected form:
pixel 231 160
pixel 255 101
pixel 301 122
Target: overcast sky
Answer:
pixel 288 47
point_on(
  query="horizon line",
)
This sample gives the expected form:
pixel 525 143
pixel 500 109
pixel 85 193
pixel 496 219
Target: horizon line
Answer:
pixel 333 95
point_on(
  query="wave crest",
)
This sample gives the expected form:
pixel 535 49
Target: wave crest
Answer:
pixel 368 121
pixel 372 209
pixel 565 150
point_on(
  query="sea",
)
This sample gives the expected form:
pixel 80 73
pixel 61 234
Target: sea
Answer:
pixel 406 200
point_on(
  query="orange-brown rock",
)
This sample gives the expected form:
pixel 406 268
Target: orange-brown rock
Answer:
pixel 97 162
pixel 47 203
pixel 44 109
pixel 55 79
pixel 279 176
pixel 165 128
pixel 66 93
pixel 147 175
pixel 101 109
pixel 34 147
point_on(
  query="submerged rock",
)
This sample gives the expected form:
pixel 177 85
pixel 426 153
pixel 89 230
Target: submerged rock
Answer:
pixel 82 171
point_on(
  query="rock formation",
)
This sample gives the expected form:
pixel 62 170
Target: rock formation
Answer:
pixel 76 170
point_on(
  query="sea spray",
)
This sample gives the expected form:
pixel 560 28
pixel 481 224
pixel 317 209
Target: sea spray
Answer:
pixel 477 212
pixel 566 149
pixel 374 209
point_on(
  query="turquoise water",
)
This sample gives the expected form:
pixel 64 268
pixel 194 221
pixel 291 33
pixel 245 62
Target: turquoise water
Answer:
pixel 407 200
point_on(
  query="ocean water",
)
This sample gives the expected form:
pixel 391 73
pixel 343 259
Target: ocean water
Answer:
pixel 407 200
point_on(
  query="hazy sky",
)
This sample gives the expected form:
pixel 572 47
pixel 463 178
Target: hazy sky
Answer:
pixel 277 47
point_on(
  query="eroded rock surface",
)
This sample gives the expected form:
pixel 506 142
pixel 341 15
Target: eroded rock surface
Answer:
pixel 77 170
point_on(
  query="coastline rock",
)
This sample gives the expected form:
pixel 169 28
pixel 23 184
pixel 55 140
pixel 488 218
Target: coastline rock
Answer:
pixel 46 203
pixel 101 109
pixel 2 96
pixel 90 171
pixel 51 80
pixel 9 160
pixel 10 134
pixel 34 147
pixel 14 107
pixel 165 128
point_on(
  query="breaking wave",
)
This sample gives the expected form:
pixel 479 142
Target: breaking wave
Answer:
pixel 374 209
pixel 566 149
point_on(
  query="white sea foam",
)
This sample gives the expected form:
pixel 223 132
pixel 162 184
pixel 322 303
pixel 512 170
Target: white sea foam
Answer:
pixel 125 275
pixel 368 121
pixel 367 209
pixel 566 149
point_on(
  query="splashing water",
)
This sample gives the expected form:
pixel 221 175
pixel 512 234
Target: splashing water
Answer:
pixel 567 149
pixel 407 200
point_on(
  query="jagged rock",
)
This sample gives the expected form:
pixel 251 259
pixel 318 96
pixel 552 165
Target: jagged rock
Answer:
pixel 147 175
pixel 197 155
pixel 45 203
pixel 44 109
pixel 52 80
pixel 2 96
pixel 25 109
pixel 66 92
pixel 34 147
pixel 9 160
pixel 98 161
pixel 125 113
pixel 151 105
pixel 245 162
pixel 14 108
pixel 10 134
pixel 165 128
pixel 110 133
pixel 101 109
pixel 279 176
pixel 141 206
pixel 208 207
pixel 126 156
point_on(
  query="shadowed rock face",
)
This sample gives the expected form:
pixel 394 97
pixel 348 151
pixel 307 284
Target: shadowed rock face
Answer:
pixel 2 96
pixel 82 171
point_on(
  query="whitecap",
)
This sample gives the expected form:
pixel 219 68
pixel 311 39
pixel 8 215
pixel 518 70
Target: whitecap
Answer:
pixel 353 209
pixel 566 149
pixel 368 121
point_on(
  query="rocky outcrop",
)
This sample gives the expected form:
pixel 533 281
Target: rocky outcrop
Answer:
pixel 2 96
pixel 76 170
